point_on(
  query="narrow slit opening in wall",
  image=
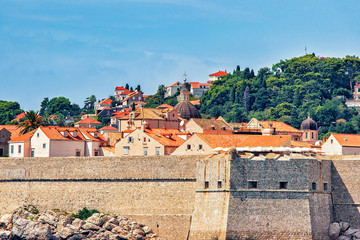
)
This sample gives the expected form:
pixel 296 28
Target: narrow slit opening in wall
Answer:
pixel 206 184
pixel 219 184
pixel 313 186
pixel 325 186
pixel 283 185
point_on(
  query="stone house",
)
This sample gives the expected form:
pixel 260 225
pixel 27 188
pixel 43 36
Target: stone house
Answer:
pixel 120 93
pixel 197 89
pixel 133 97
pixel 150 141
pixel 342 144
pixel 5 136
pixel 56 141
pixel 155 118
pixel 87 122
pixel 203 144
pixel 172 89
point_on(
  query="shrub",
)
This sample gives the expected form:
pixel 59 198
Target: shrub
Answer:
pixel 85 213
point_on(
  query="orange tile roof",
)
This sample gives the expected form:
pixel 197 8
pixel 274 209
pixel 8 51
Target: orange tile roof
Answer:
pixel 301 144
pixel 162 106
pixel 173 84
pixel 108 128
pixel 219 74
pixel 106 101
pixel 120 88
pixel 195 102
pixel 167 137
pixel 89 120
pixel 54 133
pixel 205 84
pixel 19 116
pixel 234 140
pixel 13 129
pixel 347 140
pixel 279 126
pixel 24 137
pixel 194 84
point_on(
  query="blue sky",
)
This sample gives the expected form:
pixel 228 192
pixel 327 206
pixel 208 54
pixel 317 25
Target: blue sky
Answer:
pixel 79 48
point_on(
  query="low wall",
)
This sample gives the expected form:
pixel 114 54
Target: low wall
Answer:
pixel 157 191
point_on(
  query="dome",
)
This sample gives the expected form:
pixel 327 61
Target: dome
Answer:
pixel 187 110
pixel 308 124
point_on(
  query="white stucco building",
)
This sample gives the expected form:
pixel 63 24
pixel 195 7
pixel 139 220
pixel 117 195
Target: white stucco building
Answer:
pixel 342 144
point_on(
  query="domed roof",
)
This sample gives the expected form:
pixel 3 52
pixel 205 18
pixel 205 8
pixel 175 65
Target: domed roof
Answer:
pixel 187 110
pixel 308 124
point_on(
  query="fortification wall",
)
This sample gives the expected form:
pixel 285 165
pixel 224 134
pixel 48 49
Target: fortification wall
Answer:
pixel 157 191
pixel 346 191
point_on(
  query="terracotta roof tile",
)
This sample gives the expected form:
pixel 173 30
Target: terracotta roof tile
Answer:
pixel 240 140
pixel 347 140
pixel 120 88
pixel 162 106
pixel 279 126
pixel 219 74
pixel 89 120
pixel 106 101
pixel 108 128
pixel 19 116
pixel 24 137
pixel 167 137
pixel 13 129
pixel 211 124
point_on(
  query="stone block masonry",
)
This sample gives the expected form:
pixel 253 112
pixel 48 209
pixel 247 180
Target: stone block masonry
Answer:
pixel 157 191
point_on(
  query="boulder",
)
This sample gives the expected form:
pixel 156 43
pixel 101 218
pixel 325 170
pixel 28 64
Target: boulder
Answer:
pixel 350 232
pixel 48 218
pixel 66 232
pixel 63 221
pixel 147 230
pixel 114 221
pixel 344 226
pixel 26 229
pixel 342 237
pixel 78 223
pixel 96 219
pixel 138 232
pixel 357 234
pixel 334 230
pixel 109 226
pixel 90 226
pixel 4 235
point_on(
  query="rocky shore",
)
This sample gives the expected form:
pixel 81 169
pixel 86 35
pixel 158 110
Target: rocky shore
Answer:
pixel 343 231
pixel 28 223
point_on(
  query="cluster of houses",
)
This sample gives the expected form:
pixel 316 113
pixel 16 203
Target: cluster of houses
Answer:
pixel 167 130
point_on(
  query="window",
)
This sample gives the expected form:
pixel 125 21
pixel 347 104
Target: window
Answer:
pixel 38 134
pixel 133 98
pixel 96 153
pixel 78 153
pixel 145 151
pixel 252 184
pixel 206 184
pixel 313 186
pixel 157 151
pixel 144 139
pixel 12 149
pixel 44 145
pixel 325 187
pixel 219 184
pixel 126 150
pixel 312 135
pixel 188 147
pixel 200 146
pixel 19 148
pixel 130 139
pixel 331 141
pixel 32 152
pixel 283 185
pixel 306 135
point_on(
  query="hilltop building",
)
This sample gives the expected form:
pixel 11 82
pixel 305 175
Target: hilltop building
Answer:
pixel 216 76
pixel 197 89
pixel 172 89
pixel 88 122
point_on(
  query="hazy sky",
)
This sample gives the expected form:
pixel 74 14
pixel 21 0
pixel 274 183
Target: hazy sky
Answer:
pixel 79 48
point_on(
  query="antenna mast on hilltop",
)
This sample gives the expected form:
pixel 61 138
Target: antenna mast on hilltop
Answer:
pixel 305 50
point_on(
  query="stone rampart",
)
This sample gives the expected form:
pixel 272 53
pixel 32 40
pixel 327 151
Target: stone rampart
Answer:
pixel 158 191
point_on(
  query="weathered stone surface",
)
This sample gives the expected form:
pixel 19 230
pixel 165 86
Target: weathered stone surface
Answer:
pixel 26 229
pixel 342 237
pixel 4 235
pixel 344 226
pixel 78 223
pixel 357 234
pixel 350 232
pixel 109 226
pixel 66 232
pixel 114 221
pixel 334 230
pixel 90 226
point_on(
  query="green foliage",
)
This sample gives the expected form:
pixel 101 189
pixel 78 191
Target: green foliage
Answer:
pixel 32 121
pixel 85 213
pixel 288 92
pixel 158 98
pixel 8 111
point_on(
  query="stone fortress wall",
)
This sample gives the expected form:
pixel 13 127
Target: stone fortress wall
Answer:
pixel 192 197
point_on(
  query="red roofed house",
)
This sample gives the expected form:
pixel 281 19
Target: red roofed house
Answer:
pixel 107 129
pixel 7 132
pixel 150 141
pixel 202 143
pixel 197 89
pixel 103 108
pixel 18 117
pixel 342 144
pixel 87 122
pixel 120 93
pixel 133 97
pixel 56 141
pixel 216 76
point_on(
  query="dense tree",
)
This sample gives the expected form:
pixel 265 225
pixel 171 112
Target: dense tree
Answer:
pixel 8 111
pixel 44 106
pixel 59 105
pixel 288 92
pixel 90 102
pixel 138 88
